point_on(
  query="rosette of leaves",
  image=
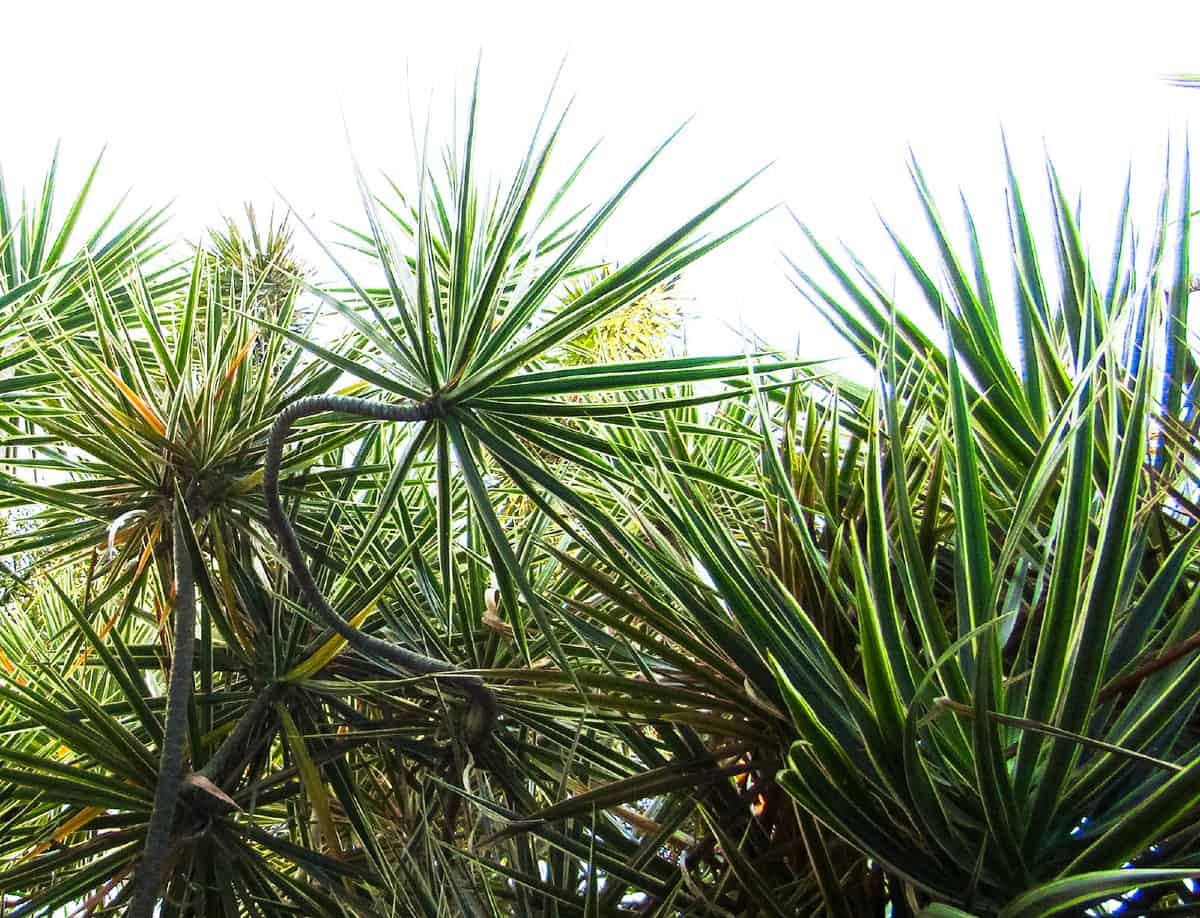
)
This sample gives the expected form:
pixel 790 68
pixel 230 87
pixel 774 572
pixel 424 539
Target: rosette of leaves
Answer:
pixel 1020 739
pixel 140 478
pixel 471 308
pixel 645 328
pixel 251 256
pixel 44 254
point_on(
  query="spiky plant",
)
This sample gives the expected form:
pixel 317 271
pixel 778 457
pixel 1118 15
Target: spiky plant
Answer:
pixel 644 329
pixel 760 641
pixel 1021 739
pixel 382 665
pixel 257 264
pixel 43 260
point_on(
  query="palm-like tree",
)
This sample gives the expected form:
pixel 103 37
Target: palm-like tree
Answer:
pixel 420 594
pixel 337 564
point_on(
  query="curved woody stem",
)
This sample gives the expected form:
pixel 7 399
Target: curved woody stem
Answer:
pixel 170 773
pixel 483 713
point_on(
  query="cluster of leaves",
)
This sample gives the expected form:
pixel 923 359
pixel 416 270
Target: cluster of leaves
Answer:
pixel 1022 738
pixel 763 641
pixel 646 328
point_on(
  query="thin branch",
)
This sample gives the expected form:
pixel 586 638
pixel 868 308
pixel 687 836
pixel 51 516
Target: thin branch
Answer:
pixel 482 716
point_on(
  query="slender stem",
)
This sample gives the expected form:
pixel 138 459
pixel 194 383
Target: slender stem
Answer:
pixel 170 768
pixel 482 716
pixel 233 745
pixel 1127 684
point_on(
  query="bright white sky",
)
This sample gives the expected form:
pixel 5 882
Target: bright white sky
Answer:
pixel 212 104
